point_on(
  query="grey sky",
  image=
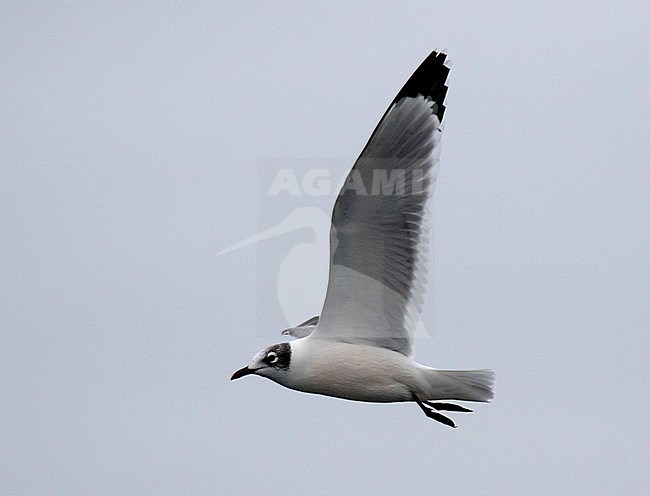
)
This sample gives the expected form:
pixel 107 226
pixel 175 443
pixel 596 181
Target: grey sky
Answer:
pixel 136 142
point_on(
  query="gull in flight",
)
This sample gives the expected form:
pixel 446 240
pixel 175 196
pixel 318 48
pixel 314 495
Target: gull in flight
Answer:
pixel 360 346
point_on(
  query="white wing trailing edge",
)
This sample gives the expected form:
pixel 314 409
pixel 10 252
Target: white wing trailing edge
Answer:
pixel 379 237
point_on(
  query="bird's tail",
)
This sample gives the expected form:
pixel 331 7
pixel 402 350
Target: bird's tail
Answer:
pixel 464 385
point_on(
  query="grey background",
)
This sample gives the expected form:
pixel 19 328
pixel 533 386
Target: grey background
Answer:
pixel 132 138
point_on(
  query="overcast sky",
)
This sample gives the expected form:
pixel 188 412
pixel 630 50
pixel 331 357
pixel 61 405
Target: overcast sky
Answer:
pixel 138 141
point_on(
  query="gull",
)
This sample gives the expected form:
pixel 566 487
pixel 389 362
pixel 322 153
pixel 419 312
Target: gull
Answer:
pixel 360 347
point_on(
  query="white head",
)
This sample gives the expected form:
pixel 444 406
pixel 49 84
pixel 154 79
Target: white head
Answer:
pixel 272 362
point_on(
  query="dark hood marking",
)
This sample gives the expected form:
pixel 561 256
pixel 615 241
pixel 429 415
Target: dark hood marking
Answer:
pixel 283 352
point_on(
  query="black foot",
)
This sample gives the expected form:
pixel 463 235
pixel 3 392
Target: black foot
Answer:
pixel 432 414
pixel 449 407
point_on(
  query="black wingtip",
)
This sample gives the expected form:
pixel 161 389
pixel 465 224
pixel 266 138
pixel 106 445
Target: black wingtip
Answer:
pixel 429 81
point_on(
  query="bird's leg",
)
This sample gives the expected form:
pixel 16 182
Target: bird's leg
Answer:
pixel 432 414
pixel 449 407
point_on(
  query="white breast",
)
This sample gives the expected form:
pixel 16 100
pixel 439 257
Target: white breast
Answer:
pixel 349 371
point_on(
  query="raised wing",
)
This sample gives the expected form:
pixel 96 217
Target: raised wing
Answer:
pixel 378 238
pixel 302 330
pixel 310 322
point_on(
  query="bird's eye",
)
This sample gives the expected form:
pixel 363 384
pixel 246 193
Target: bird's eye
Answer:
pixel 272 357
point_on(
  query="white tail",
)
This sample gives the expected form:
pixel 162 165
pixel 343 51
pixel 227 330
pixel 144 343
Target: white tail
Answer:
pixel 464 385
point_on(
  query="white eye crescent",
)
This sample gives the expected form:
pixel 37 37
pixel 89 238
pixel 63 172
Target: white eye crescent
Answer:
pixel 272 357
